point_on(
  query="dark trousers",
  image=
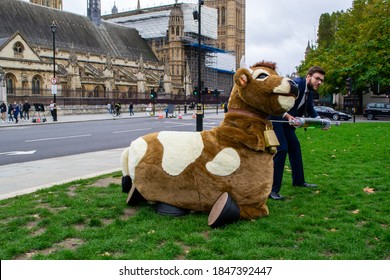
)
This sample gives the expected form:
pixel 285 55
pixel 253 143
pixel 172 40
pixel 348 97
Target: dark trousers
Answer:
pixel 289 144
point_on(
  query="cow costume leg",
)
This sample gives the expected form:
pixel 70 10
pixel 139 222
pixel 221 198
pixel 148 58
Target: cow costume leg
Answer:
pixel 134 197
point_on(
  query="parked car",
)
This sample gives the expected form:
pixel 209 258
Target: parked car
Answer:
pixel 327 112
pixel 374 110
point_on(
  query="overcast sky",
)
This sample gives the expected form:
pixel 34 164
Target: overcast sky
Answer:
pixel 276 30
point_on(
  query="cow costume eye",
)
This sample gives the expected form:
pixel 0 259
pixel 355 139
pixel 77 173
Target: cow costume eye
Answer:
pixel 262 76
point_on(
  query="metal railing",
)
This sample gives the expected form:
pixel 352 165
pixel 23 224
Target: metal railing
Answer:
pixel 124 98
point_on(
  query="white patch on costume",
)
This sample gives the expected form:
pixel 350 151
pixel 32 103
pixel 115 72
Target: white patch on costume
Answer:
pixel 286 102
pixel 136 152
pixel 180 149
pixel 284 86
pixel 257 73
pixel 225 162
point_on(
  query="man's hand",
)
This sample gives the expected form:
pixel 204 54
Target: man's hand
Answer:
pixel 292 120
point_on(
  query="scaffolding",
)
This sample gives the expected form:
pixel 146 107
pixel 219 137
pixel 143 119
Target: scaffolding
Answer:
pixel 217 65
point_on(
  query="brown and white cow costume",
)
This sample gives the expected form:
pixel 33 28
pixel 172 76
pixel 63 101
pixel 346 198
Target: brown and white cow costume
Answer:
pixel 194 170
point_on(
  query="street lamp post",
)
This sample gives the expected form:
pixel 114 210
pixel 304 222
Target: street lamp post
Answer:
pixel 53 28
pixel 3 90
pixel 199 109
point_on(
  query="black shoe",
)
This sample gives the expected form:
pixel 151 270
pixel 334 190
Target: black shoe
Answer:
pixel 306 185
pixel 275 196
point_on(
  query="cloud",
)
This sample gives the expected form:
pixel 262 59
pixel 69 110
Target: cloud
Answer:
pixel 279 31
pixel 276 30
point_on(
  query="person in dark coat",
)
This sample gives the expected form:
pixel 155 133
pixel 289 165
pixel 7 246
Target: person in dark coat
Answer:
pixel 10 113
pixel 26 110
pixel 16 110
pixel 285 132
pixel 131 109
pixel 3 110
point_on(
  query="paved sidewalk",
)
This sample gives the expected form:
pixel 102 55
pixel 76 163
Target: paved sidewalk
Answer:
pixel 27 177
pixel 74 118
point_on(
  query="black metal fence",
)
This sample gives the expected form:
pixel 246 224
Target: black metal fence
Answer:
pixel 65 102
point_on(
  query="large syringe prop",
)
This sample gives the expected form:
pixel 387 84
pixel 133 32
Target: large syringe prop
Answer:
pixel 311 122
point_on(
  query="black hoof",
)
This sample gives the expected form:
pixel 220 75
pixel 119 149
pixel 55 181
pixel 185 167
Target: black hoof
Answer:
pixel 134 197
pixel 126 184
pixel 170 210
pixel 225 211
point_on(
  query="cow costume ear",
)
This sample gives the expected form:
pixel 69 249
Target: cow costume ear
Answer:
pixel 243 80
pixel 242 77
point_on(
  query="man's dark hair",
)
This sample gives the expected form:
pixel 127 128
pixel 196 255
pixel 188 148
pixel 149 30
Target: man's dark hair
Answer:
pixel 315 69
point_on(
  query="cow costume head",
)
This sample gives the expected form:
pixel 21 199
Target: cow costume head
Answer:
pixel 226 171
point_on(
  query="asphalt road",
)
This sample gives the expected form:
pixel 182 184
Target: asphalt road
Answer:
pixel 30 143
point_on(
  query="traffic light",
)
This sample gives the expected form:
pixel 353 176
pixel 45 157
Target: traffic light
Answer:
pixel 216 93
pixel 348 83
pixel 206 91
pixel 196 90
pixel 153 94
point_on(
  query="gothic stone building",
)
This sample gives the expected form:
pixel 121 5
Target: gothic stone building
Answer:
pixel 172 32
pixel 95 58
pixel 105 60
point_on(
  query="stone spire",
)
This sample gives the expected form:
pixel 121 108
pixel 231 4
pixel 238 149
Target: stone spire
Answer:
pixel 114 9
pixel 94 11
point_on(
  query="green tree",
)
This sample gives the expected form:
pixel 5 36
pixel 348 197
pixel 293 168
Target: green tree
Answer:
pixel 354 43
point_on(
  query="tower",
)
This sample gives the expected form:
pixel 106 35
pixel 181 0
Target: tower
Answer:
pixel 114 9
pixel 94 11
pixel 176 54
pixel 56 4
pixel 231 25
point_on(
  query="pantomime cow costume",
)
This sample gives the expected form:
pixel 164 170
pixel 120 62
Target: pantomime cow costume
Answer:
pixel 226 171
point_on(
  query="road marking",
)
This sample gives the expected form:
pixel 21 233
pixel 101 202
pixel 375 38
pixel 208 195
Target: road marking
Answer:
pixel 125 131
pixel 58 138
pixel 18 153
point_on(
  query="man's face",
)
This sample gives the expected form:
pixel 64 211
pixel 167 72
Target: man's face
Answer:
pixel 314 81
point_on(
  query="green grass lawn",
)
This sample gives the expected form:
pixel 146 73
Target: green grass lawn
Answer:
pixel 347 217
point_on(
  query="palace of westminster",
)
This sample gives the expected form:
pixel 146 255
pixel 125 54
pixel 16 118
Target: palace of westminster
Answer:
pixel 118 55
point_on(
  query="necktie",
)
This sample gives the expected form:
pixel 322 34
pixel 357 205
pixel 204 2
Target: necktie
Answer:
pixel 303 100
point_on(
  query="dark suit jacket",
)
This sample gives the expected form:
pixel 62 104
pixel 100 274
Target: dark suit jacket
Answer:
pixel 307 109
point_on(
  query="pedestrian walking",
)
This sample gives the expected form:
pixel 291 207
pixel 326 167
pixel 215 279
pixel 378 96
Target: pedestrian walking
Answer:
pixel 20 110
pixel 131 108
pixel 26 110
pixel 10 113
pixel 16 111
pixel 225 107
pixel 51 108
pixel 3 110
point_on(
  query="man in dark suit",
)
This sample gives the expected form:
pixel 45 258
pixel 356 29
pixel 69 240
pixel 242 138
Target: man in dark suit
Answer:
pixel 285 132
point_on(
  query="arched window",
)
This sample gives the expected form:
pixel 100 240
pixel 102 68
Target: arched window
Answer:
pixel 18 48
pixel 36 85
pixel 223 16
pixel 177 31
pixel 10 83
pixel 96 92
